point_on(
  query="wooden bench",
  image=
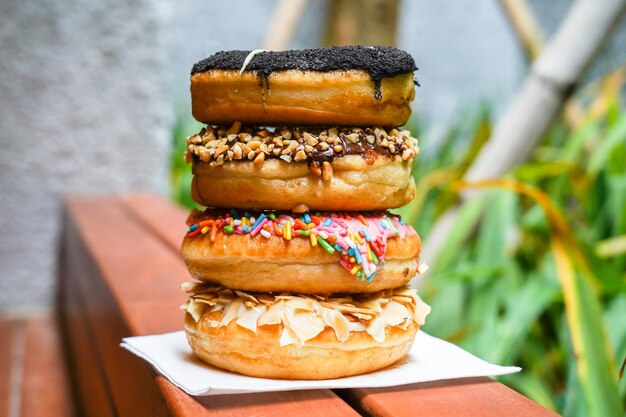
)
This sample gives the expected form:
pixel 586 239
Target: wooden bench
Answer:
pixel 120 269
pixel 33 377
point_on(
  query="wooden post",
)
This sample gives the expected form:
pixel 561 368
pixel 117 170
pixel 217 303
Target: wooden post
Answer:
pixel 362 22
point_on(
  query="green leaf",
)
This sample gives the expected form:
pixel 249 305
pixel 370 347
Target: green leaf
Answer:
pixel 595 362
pixel 522 312
pixel 615 137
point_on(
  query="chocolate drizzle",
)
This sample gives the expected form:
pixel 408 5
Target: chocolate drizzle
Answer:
pixel 314 146
pixel 379 61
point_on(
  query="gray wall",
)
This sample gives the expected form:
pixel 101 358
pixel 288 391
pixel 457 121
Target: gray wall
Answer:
pixel 82 94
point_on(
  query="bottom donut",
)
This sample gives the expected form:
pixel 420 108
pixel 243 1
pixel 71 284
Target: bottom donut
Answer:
pixel 284 336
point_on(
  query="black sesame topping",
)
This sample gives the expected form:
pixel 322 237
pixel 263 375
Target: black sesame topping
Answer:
pixel 379 61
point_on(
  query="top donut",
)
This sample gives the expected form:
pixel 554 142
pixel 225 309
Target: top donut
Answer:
pixel 336 86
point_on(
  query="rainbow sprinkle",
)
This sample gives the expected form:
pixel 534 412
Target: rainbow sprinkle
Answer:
pixel 360 242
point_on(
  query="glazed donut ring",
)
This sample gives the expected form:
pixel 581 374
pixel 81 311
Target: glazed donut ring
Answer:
pixel 355 185
pixel 255 264
pixel 349 86
pixel 301 337
pixel 301 98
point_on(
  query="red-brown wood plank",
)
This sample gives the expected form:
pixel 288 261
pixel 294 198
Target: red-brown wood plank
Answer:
pixel 461 397
pixel 93 398
pixel 45 381
pixel 129 282
pixel 164 218
pixel 6 350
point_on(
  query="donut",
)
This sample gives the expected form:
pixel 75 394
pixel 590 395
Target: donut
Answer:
pixel 312 253
pixel 349 86
pixel 287 336
pixel 308 168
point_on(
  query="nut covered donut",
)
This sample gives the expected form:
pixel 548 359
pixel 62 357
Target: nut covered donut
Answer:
pixel 312 253
pixel 347 86
pixel 292 336
pixel 298 169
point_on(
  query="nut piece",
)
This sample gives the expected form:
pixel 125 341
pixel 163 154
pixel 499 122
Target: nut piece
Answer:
pixel 310 139
pixel 258 161
pixel 315 169
pixel 300 156
pixel 353 137
pixel 300 208
pixel 234 129
pixel 237 152
pixel 254 144
pixel 327 171
pixel 220 150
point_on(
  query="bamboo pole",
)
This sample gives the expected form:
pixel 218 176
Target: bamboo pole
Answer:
pixel 525 26
pixel 362 22
pixel 530 37
pixel 551 80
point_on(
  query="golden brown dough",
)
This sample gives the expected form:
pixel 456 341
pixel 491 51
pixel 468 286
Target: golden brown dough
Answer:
pixel 295 97
pixel 354 185
pixel 264 265
pixel 259 354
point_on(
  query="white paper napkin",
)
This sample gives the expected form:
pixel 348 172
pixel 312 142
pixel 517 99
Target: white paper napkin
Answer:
pixel 430 359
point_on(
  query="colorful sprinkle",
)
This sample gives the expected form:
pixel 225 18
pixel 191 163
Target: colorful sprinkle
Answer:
pixel 287 230
pixel 258 226
pixel 325 245
pixel 360 241
pixel 213 235
pixel 374 258
pixel 258 221
pixel 366 234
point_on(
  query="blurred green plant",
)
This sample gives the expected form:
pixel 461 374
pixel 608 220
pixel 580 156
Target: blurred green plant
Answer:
pixel 538 282
pixel 180 171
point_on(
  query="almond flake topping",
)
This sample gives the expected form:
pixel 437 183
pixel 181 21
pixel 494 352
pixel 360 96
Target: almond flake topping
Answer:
pixel 304 317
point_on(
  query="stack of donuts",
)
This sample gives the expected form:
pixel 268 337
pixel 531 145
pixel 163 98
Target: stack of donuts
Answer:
pixel 301 270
